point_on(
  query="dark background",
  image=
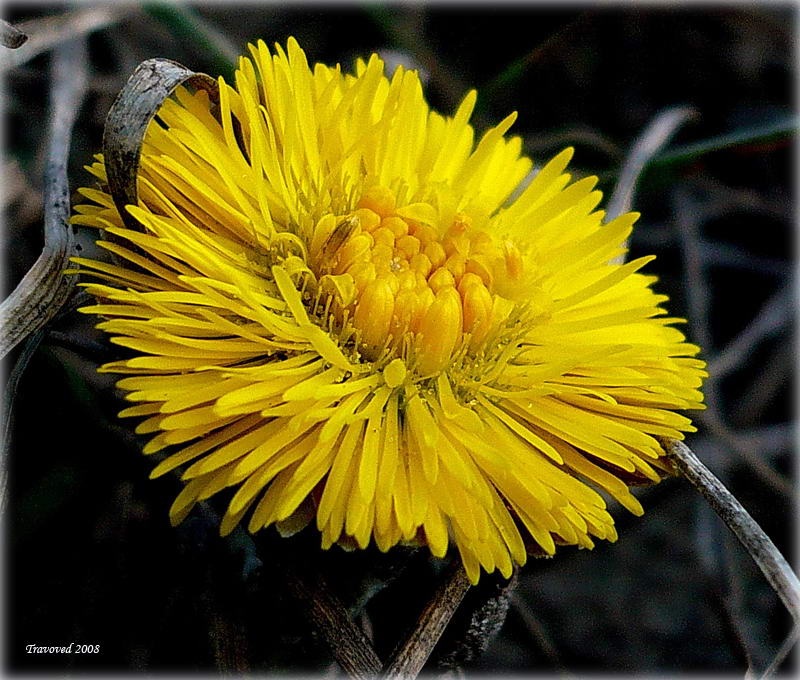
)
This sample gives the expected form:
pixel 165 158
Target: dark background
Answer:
pixel 89 554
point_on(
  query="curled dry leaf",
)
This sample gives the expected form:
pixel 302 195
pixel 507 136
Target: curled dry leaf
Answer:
pixel 11 37
pixel 151 83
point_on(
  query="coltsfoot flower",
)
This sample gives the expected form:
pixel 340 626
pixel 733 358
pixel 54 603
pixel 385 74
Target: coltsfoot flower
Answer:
pixel 334 307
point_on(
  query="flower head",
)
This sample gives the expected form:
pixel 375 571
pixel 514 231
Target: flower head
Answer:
pixel 334 307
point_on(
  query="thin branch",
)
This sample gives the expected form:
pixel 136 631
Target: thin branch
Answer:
pixel 644 149
pixel 9 394
pixel 783 652
pixel 49 32
pixel 771 439
pixel 712 419
pixel 351 648
pixel 762 550
pixel 687 214
pixel 578 134
pixel 716 253
pixel 44 288
pixel 407 661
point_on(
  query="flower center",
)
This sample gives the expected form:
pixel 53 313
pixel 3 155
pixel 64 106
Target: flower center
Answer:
pixel 408 288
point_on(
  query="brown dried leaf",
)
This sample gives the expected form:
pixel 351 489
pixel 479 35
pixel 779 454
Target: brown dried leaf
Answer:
pixel 126 124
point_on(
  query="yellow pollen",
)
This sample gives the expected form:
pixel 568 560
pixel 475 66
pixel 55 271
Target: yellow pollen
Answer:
pixel 421 292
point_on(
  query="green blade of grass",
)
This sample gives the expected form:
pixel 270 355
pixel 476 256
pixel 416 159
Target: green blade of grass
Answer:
pixel 757 134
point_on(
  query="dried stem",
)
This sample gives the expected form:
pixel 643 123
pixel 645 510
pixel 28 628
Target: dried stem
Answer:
pixel 50 32
pixel 407 661
pixel 347 642
pixel 9 393
pixel 44 288
pixel 698 297
pixel 783 652
pixel 644 149
pixel 763 551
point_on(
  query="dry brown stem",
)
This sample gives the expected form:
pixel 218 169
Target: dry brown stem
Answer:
pixel 44 289
pixel 759 546
pixel 353 652
pixel 409 658
pixel 47 33
pixel 646 146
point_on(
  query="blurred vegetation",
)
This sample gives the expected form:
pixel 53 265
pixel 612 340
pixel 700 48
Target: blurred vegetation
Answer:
pixel 91 557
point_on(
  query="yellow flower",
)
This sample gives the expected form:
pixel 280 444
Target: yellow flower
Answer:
pixel 334 307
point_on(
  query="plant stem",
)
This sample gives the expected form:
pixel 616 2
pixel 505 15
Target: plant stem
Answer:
pixel 408 660
pixel 763 551
pixel 347 642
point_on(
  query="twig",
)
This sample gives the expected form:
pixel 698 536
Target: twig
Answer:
pixel 44 288
pixel 719 254
pixel 49 32
pixel 724 198
pixel 761 549
pixel 347 642
pixel 407 661
pixel 727 580
pixel 478 619
pixel 10 36
pixel 783 652
pixel 9 394
pixel 644 149
pixel 712 419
